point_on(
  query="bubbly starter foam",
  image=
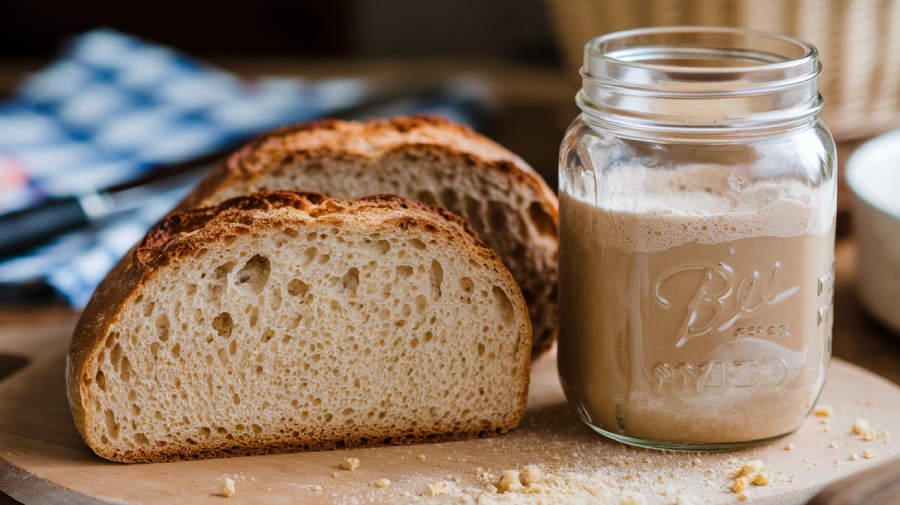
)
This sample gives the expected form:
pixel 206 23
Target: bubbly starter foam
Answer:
pixel 700 310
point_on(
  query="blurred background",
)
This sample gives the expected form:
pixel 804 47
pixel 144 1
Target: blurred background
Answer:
pixel 103 94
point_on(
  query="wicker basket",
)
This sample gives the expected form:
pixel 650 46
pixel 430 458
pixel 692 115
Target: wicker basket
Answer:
pixel 858 42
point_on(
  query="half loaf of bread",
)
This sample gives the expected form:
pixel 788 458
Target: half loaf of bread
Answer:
pixel 284 321
pixel 422 158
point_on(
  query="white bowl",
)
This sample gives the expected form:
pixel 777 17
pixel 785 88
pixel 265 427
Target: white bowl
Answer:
pixel 873 173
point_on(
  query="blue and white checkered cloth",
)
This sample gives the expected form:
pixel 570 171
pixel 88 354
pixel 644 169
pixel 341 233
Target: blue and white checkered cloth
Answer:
pixel 113 108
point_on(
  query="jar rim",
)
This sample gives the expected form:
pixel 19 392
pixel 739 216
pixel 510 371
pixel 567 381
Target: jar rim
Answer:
pixel 699 79
pixel 754 57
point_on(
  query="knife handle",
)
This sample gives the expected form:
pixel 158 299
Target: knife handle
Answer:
pixel 25 228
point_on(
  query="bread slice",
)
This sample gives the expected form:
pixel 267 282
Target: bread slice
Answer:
pixel 283 322
pixel 422 158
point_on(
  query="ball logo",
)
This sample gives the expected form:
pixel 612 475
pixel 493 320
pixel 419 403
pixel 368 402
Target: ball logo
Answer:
pixel 721 298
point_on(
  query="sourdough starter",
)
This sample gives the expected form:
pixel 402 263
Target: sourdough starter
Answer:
pixel 696 309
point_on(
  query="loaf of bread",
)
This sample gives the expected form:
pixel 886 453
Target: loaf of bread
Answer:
pixel 422 158
pixel 287 321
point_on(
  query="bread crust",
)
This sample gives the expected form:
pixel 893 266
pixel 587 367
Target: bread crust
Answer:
pixel 390 139
pixel 371 139
pixel 185 234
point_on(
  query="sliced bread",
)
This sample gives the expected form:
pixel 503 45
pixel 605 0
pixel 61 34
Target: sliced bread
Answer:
pixel 285 321
pixel 422 158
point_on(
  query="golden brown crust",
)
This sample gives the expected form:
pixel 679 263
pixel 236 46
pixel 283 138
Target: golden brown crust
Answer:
pixel 374 138
pixel 181 235
pixel 317 206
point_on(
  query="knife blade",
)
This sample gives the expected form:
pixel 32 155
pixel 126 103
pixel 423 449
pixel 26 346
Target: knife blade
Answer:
pixel 29 227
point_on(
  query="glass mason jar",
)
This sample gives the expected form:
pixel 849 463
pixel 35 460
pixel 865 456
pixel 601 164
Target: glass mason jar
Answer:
pixel 696 251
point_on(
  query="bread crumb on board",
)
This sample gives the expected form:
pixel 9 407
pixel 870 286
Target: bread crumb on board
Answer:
pixel 789 447
pixel 382 483
pixel 868 454
pixel 421 457
pixel 509 481
pixel 823 411
pixel 854 457
pixel 227 488
pixel 350 464
pixel 751 472
pixel 859 426
pixel 315 487
pixel 531 474
pixel 436 488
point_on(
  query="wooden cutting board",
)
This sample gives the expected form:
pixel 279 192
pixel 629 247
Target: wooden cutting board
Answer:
pixel 43 460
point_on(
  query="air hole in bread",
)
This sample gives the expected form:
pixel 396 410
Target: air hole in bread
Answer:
pixel 297 288
pixel 125 370
pixel 436 276
pixel 115 355
pixel 382 246
pixel 421 303
pixel 426 197
pixel 404 271
pixel 543 223
pixel 223 356
pixel 254 275
pixel 224 269
pixel 473 213
pixel 467 285
pixel 100 379
pixel 350 281
pixel 112 427
pixel 223 324
pixel 497 213
pixel 504 305
pixel 148 307
pixel 449 199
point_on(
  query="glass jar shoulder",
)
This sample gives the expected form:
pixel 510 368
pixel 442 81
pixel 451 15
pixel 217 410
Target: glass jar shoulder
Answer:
pixel 595 160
